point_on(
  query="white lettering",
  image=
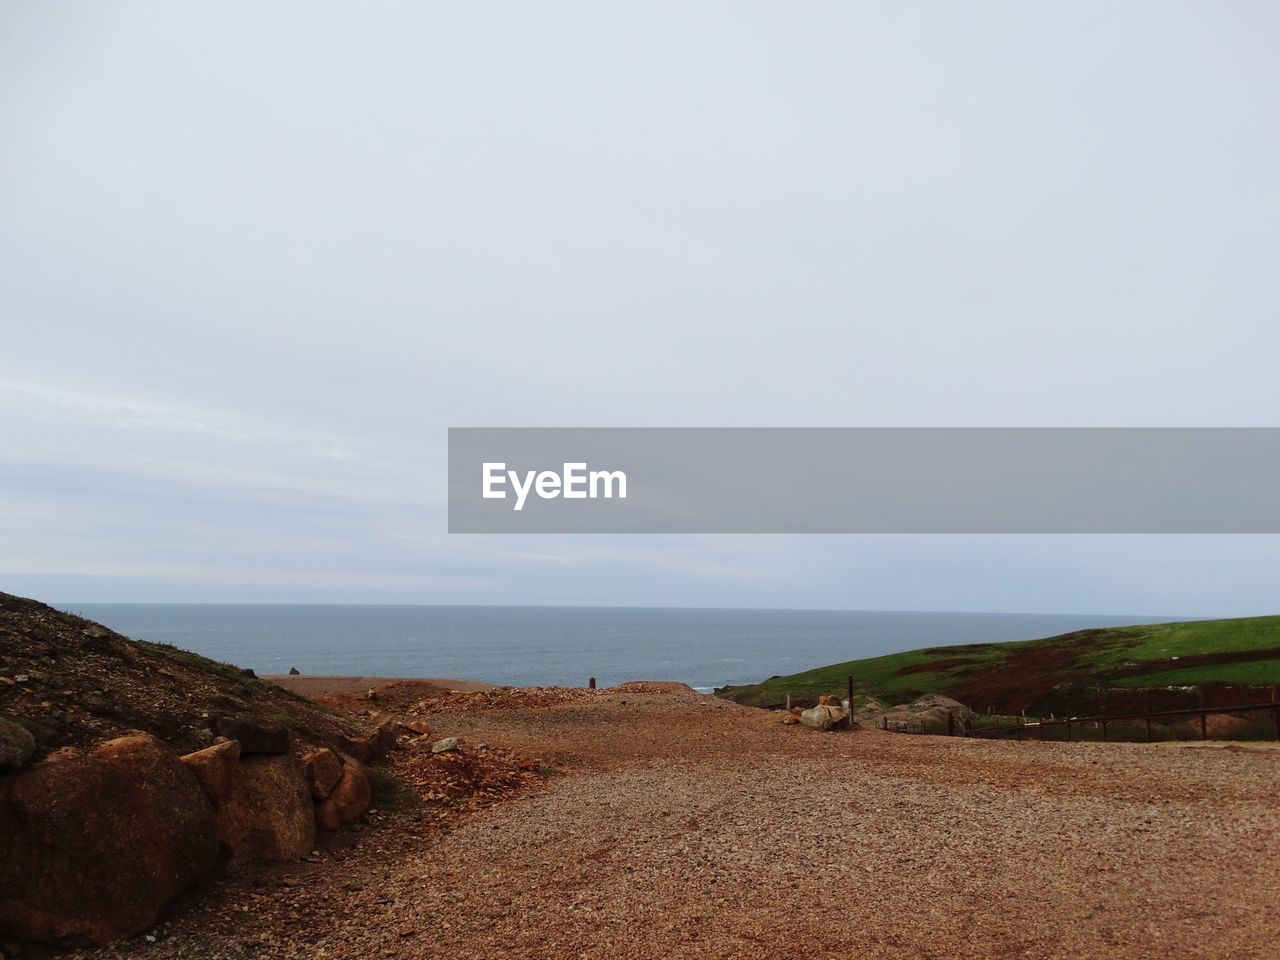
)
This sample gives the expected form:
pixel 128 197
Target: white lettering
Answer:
pixel 521 491
pixel 575 482
pixel 494 474
pixel 609 476
pixel 575 473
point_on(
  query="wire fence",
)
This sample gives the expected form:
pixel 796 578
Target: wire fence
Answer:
pixel 1246 721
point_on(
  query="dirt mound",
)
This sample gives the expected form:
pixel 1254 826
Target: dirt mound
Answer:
pixel 652 686
pixel 466 777
pixel 503 698
pixel 373 695
pixel 73 682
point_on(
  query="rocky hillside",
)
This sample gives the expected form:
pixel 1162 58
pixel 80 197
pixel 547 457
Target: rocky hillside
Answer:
pixel 72 682
pixel 129 772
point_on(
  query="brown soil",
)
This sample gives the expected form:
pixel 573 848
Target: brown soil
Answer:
pixel 390 693
pixel 945 663
pixel 647 821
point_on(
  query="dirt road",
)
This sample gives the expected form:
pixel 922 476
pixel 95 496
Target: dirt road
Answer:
pixel 671 824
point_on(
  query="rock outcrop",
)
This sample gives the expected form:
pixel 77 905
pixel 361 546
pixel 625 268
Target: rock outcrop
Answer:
pixel 103 825
pixel 94 845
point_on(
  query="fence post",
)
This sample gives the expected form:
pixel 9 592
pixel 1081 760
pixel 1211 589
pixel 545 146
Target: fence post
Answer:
pixel 1104 731
pixel 1147 718
pixel 1068 729
pixel 885 721
pixel 788 703
pixel 1022 721
pixel 849 717
pixel 591 683
pixel 951 723
pixel 1204 724
pixel 1275 698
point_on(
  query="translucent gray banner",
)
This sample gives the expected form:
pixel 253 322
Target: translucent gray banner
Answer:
pixel 864 480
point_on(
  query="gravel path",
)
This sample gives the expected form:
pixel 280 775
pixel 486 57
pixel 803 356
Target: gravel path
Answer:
pixel 684 826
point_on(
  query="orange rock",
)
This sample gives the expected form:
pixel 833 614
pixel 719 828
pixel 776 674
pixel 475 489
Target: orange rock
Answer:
pixel 325 769
pixel 214 767
pixel 94 845
pixel 373 747
pixel 268 814
pixel 349 799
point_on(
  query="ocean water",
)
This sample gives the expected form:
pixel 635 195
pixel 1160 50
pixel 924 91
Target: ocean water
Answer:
pixel 545 646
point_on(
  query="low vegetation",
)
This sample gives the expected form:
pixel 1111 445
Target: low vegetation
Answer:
pixel 1087 670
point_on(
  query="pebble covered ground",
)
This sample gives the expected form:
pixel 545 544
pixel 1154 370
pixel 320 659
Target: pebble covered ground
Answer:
pixel 664 823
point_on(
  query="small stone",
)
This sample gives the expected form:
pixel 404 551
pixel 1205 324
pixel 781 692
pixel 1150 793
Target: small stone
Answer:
pixel 295 672
pixel 445 745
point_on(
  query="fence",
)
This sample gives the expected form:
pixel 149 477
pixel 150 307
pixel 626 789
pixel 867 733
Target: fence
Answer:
pixel 1080 727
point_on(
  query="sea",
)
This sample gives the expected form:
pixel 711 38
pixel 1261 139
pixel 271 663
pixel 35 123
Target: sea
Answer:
pixel 561 646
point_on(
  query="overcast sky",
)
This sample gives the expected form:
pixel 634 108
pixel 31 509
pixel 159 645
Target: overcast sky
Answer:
pixel 256 258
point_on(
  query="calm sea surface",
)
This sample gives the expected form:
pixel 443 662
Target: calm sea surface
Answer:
pixel 560 645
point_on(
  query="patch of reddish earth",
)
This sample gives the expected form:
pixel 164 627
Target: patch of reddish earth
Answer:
pixel 678 825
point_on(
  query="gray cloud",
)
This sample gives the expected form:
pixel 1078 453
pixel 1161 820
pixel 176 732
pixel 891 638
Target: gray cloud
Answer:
pixel 257 259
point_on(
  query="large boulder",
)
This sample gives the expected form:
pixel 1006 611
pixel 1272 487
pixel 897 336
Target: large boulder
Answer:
pixel 215 768
pixel 822 717
pixel 16 745
pixel 268 813
pixel 94 845
pixel 349 799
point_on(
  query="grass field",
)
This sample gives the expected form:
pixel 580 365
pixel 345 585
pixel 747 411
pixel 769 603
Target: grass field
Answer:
pixel 1087 668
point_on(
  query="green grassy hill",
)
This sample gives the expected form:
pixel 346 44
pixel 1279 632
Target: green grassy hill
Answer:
pixel 1094 669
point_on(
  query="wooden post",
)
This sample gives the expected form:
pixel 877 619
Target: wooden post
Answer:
pixel 1104 731
pixel 591 683
pixel 1147 718
pixel 1021 723
pixel 1275 698
pixel 886 722
pixel 788 703
pixel 1204 724
pixel 849 717
pixel 951 723
pixel 1068 729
